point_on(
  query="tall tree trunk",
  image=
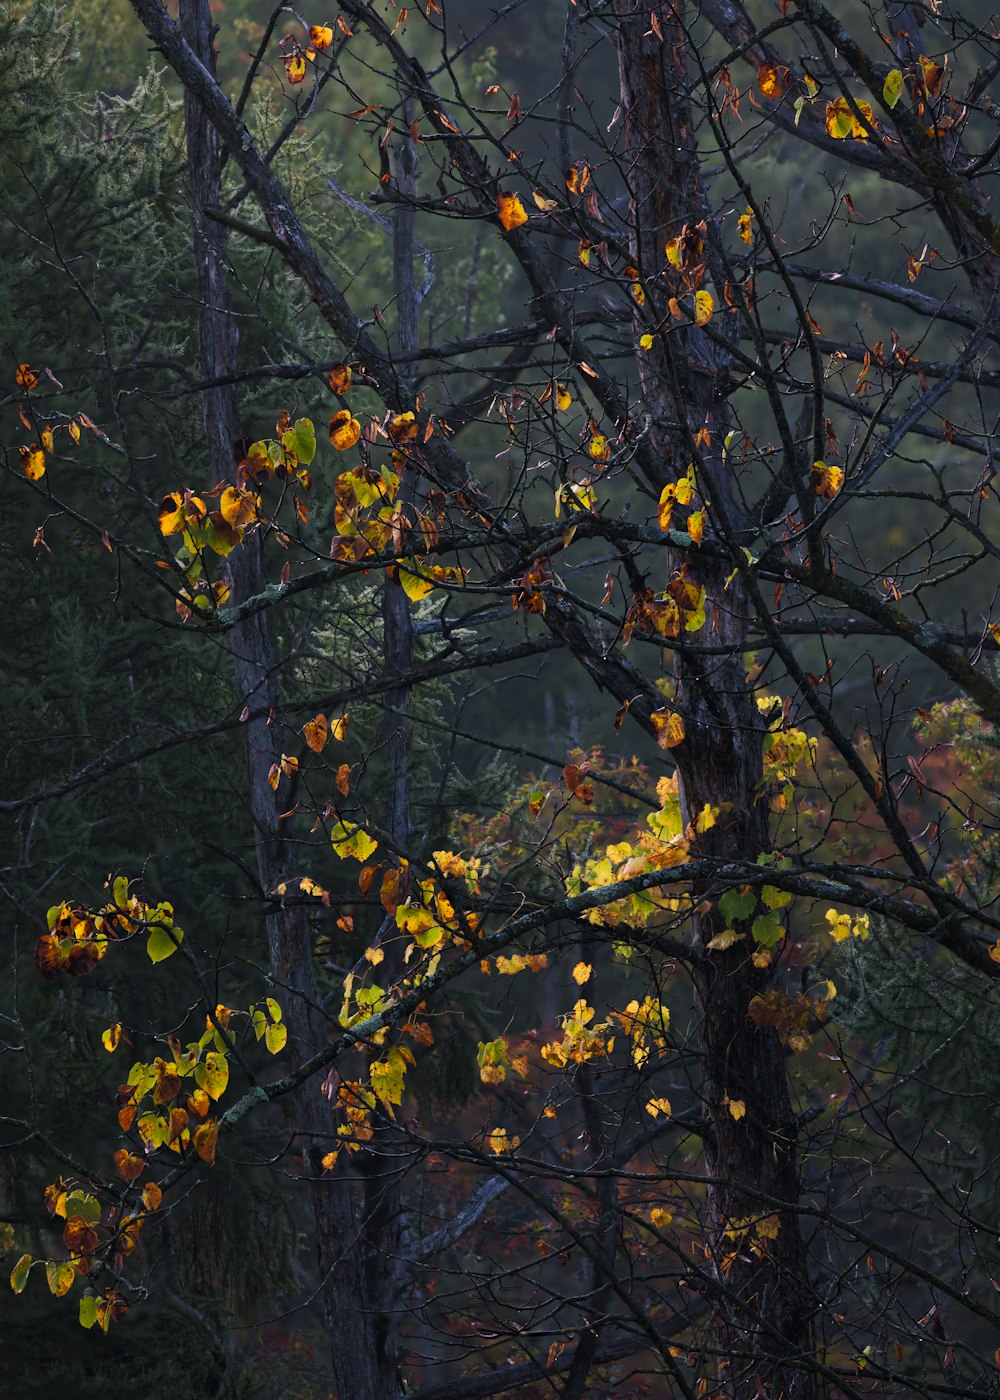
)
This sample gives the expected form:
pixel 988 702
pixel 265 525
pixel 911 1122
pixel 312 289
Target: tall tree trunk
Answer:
pixel 364 1364
pixel 760 1288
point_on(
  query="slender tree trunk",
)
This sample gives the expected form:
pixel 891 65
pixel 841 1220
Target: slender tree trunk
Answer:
pixel 363 1363
pixel 759 1287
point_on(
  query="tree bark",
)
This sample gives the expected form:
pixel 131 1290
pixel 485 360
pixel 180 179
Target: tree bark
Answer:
pixel 759 1288
pixel 364 1364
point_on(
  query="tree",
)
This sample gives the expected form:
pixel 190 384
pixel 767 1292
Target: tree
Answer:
pixel 755 535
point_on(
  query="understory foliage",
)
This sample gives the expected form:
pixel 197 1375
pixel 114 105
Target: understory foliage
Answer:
pixel 499 534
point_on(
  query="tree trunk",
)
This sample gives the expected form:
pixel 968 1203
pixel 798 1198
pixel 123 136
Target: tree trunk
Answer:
pixel 363 1360
pixel 759 1288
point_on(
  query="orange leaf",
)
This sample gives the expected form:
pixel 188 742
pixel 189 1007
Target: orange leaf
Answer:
pixel 129 1166
pixel 510 211
pixel 772 79
pixel 151 1196
pixel 316 733
pixel 321 36
pixel 343 779
pixel 205 1139
pixel 339 378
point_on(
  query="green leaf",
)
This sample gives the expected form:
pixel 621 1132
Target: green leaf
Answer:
pixel 301 440
pixel 737 904
pixel 273 1008
pixel 773 898
pixel 119 892
pixel 83 1204
pixel 88 1310
pixel 161 943
pixel 19 1273
pixel 767 930
pixel 892 88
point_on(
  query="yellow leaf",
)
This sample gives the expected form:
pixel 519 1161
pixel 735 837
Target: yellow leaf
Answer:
pixel 402 427
pixel 582 973
pixel 668 727
pixel 892 88
pixel 500 1142
pixel 276 1037
pixel 510 211
pixel 339 730
pixel 345 430
pixel 737 1107
pixel 321 36
pixel 59 1276
pixel 826 480
pixel 657 1106
pixel 563 398
pixel 724 940
pixel 74 430
pixel 660 1217
pixel 111 1037
pixel 295 68
pixel 704 305
pixel 32 462
pixel 414 586
pixel 646 342
pixel 598 447
pixel 673 251
pixel 745 222
pixel 696 525
pixel 48 441
pixel 841 121
pixel 212 1074
pixel 237 508
pixel 665 509
pixel 356 842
